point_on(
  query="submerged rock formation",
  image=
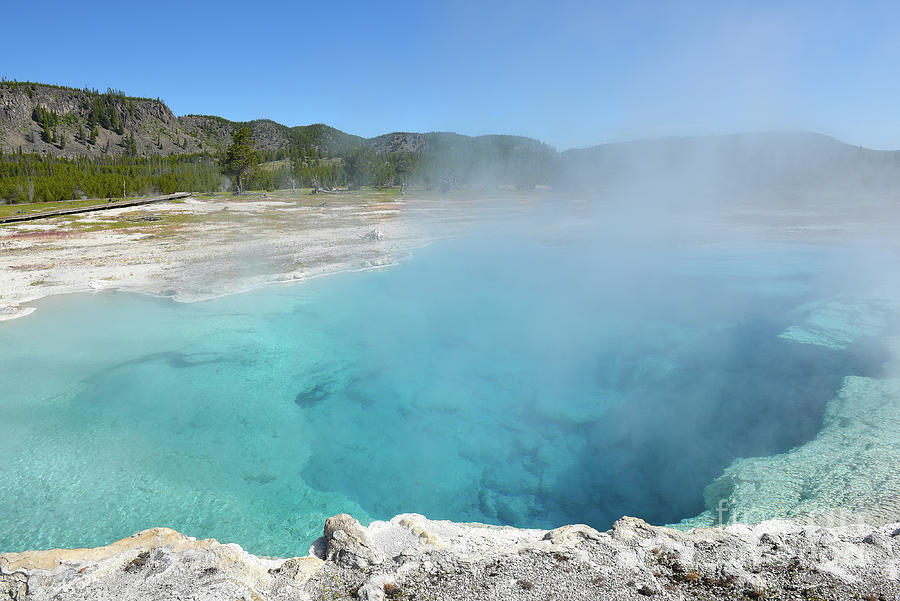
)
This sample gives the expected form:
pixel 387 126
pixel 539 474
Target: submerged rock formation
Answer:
pixel 848 472
pixel 412 557
pixel 851 465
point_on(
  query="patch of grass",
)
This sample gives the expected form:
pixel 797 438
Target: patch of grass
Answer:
pixel 274 165
pixel 366 194
pixel 40 207
pixel 189 218
pixel 168 222
pixel 98 226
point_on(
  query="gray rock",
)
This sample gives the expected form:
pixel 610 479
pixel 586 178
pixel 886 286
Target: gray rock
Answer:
pixel 348 544
pixel 412 557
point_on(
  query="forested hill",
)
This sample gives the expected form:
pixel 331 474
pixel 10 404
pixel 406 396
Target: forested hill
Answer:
pixel 68 122
pixel 59 121
pixel 59 143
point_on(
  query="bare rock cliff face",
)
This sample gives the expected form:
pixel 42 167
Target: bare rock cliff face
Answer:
pixel 150 122
pixel 411 557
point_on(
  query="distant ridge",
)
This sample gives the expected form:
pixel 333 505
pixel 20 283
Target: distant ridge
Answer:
pixel 154 129
pixel 751 161
pixel 68 122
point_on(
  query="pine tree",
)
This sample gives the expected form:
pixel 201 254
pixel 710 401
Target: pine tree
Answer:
pixel 114 119
pixel 240 157
pixel 130 145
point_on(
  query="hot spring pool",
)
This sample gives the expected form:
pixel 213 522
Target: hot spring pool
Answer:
pixel 504 382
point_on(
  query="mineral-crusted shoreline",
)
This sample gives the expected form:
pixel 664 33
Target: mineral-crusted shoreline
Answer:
pixel 412 557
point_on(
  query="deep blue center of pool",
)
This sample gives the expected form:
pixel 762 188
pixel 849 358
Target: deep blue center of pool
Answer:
pixel 499 381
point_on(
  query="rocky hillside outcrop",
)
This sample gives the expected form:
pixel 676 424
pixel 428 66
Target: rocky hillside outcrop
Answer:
pixel 88 123
pixel 411 557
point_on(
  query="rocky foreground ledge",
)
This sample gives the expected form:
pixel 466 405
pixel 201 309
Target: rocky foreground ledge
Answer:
pixel 412 557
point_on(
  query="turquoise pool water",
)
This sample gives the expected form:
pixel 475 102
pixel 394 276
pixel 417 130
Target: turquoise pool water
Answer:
pixel 500 381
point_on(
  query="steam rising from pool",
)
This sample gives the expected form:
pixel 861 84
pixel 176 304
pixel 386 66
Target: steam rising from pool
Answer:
pixel 509 378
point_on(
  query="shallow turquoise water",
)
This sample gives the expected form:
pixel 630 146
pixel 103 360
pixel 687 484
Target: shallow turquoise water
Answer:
pixel 501 382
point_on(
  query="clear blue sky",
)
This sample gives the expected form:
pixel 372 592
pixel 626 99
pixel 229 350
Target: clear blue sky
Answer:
pixel 569 73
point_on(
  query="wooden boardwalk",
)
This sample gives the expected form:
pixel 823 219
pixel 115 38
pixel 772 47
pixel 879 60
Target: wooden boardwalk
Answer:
pixel 88 209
